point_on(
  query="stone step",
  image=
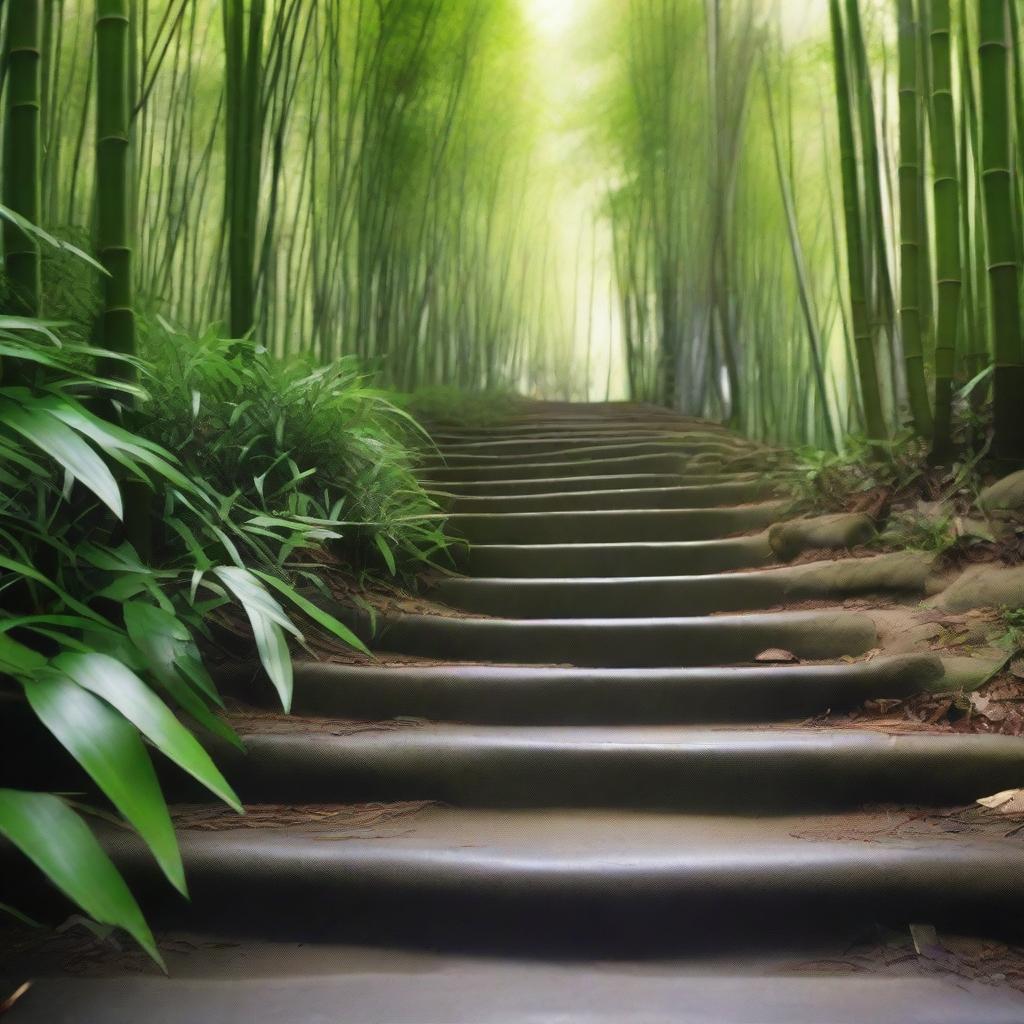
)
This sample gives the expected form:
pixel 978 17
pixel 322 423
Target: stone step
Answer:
pixel 663 767
pixel 904 573
pixel 237 982
pixel 570 880
pixel 675 463
pixel 598 450
pixel 626 642
pixel 679 497
pixel 666 558
pixel 563 442
pixel 615 526
pixel 562 485
pixel 540 695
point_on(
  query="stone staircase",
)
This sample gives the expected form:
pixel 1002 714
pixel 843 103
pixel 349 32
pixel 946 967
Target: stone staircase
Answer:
pixel 577 795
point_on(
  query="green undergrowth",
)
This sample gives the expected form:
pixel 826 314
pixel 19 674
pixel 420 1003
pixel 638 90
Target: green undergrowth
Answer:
pixel 317 444
pixel 450 405
pixel 146 511
pixel 916 505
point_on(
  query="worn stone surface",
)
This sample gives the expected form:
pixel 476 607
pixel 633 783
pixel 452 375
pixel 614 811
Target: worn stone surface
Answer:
pixel 1007 493
pixel 983 586
pixel 843 530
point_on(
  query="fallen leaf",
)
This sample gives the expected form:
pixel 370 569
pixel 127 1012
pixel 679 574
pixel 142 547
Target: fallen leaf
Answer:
pixel 882 705
pixel 776 654
pixel 10 1000
pixel 1009 801
pixel 987 708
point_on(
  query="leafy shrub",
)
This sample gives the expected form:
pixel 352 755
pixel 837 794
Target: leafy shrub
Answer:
pixel 99 636
pixel 833 482
pixel 922 529
pixel 319 445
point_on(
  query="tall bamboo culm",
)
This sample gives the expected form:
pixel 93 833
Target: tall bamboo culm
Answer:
pixel 243 50
pixel 1003 271
pixel 910 172
pixel 21 153
pixel 946 186
pixel 867 365
pixel 113 195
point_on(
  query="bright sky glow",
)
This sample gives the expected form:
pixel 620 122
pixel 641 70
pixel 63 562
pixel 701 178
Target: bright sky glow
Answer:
pixel 552 18
pixel 580 238
pixel 578 234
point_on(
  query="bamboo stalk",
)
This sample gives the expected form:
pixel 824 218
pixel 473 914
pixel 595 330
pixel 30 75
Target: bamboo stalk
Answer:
pixel 946 189
pixel 22 154
pixel 113 192
pixel 853 210
pixel 911 172
pixel 1003 247
pixel 803 282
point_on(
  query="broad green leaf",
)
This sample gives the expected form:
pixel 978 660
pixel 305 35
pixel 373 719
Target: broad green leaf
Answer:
pixel 382 547
pixel 22 569
pixel 58 359
pixel 192 704
pixel 6 213
pixel 11 454
pixel 73 621
pixel 195 549
pixel 166 643
pixel 125 587
pixel 123 558
pixel 110 750
pixel 14 324
pixel 63 445
pixel 17 659
pixel 267 619
pixel 61 845
pixel 122 688
pixel 115 441
pixel 274 655
pixel 253 595
pixel 328 621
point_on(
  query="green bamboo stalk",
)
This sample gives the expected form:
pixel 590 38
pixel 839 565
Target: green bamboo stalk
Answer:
pixel 22 153
pixel 976 352
pixel 910 173
pixel 879 282
pixel 803 280
pixel 113 191
pixel 946 187
pixel 243 51
pixel 982 346
pixel 1017 88
pixel 852 207
pixel 925 278
pixel 1003 270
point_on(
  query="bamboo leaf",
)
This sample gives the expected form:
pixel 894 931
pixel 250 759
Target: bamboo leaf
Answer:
pixel 60 844
pixel 125 691
pixel 65 447
pixel 328 621
pixel 109 749
pixel 268 621
pixel 6 213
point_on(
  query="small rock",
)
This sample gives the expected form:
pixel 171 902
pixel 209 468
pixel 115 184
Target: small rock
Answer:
pixel 1007 494
pixel 983 586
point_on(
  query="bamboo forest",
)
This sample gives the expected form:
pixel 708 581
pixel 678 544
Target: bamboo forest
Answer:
pixel 511 510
